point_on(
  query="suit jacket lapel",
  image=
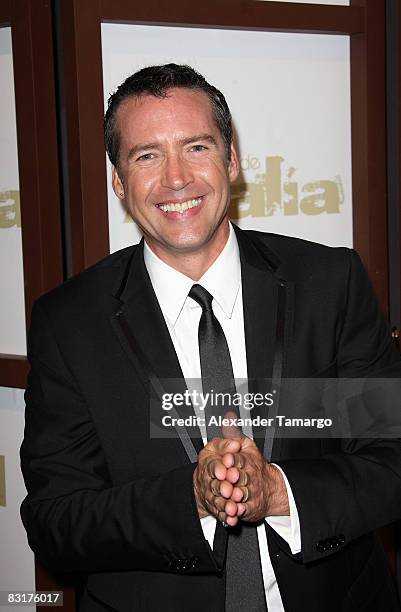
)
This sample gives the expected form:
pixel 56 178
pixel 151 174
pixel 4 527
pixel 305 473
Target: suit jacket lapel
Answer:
pixel 143 333
pixel 266 316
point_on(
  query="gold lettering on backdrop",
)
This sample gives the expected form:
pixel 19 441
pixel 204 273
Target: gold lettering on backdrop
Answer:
pixel 325 198
pixel 10 212
pixel 275 191
pixel 2 481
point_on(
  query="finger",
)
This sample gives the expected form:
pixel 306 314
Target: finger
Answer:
pixel 240 494
pixel 232 475
pixel 216 469
pixel 230 508
pixel 215 486
pixel 225 489
pixel 237 494
pixel 239 461
pixel 221 516
pixel 241 509
pixel 232 521
pixel 232 431
pixel 220 504
pixel 214 503
pixel 227 445
pixel 222 446
pixel 245 494
pixel 221 488
pixel 229 459
pixel 247 443
pixel 243 478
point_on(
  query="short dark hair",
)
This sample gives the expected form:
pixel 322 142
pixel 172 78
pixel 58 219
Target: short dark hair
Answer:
pixel 157 81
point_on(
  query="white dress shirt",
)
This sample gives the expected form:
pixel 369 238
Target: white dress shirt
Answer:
pixel 182 315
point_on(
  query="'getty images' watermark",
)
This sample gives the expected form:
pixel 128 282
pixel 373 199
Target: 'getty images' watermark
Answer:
pixel 200 400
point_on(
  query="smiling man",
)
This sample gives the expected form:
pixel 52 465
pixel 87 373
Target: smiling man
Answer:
pixel 206 519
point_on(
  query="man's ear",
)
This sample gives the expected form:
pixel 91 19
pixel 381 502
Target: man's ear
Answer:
pixel 118 186
pixel 233 164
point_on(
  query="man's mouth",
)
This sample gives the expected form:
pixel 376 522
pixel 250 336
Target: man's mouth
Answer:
pixel 180 207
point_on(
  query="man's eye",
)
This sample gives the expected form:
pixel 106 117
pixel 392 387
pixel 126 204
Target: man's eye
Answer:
pixel 198 147
pixel 146 157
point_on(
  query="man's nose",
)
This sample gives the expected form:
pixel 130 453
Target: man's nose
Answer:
pixel 177 173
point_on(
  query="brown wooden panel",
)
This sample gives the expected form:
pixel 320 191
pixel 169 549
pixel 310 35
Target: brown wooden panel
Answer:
pixel 275 16
pixel 5 13
pixel 368 121
pixel 86 156
pixel 37 158
pixel 13 371
pixel 399 152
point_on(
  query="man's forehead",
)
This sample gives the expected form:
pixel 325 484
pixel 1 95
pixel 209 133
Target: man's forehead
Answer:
pixel 184 95
pixel 184 111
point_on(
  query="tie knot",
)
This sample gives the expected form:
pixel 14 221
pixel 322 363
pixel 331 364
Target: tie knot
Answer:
pixel 202 296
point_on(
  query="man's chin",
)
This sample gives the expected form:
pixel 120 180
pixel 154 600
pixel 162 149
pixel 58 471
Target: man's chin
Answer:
pixel 189 243
pixel 181 247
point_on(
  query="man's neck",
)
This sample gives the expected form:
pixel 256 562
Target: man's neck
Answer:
pixel 193 264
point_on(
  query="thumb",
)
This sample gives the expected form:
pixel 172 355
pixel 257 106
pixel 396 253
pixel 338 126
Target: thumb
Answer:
pixel 232 431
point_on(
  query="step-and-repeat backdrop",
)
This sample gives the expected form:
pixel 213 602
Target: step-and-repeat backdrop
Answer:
pixel 16 560
pixel 12 305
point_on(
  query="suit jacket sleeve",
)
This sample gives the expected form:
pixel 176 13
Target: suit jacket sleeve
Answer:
pixel 348 493
pixel 75 518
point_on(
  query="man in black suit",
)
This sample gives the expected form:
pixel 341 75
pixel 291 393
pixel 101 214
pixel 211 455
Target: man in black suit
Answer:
pixel 149 519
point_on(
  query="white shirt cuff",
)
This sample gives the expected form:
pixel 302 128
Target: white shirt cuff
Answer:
pixel 287 527
pixel 208 524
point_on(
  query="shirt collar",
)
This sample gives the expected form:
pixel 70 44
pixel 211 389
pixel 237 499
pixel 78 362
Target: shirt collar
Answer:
pixel 222 280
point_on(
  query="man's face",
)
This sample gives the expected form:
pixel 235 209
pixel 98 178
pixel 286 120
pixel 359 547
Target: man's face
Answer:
pixel 174 173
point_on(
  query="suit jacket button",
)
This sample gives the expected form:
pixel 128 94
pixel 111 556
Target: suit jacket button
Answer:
pixel 320 547
pixel 178 565
pixel 194 562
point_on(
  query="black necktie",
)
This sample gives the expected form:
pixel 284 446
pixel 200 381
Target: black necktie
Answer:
pixel 244 581
pixel 216 368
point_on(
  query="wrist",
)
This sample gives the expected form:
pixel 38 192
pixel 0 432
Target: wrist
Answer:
pixel 277 498
pixel 198 497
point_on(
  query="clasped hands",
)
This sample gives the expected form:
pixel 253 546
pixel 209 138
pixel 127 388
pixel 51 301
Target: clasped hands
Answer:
pixel 233 481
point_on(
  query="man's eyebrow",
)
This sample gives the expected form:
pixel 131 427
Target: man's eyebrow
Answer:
pixel 142 147
pixel 202 137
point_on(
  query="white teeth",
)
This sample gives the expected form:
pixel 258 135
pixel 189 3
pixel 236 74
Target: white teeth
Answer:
pixel 181 207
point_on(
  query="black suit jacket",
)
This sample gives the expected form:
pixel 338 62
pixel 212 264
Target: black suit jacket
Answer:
pixel 106 500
